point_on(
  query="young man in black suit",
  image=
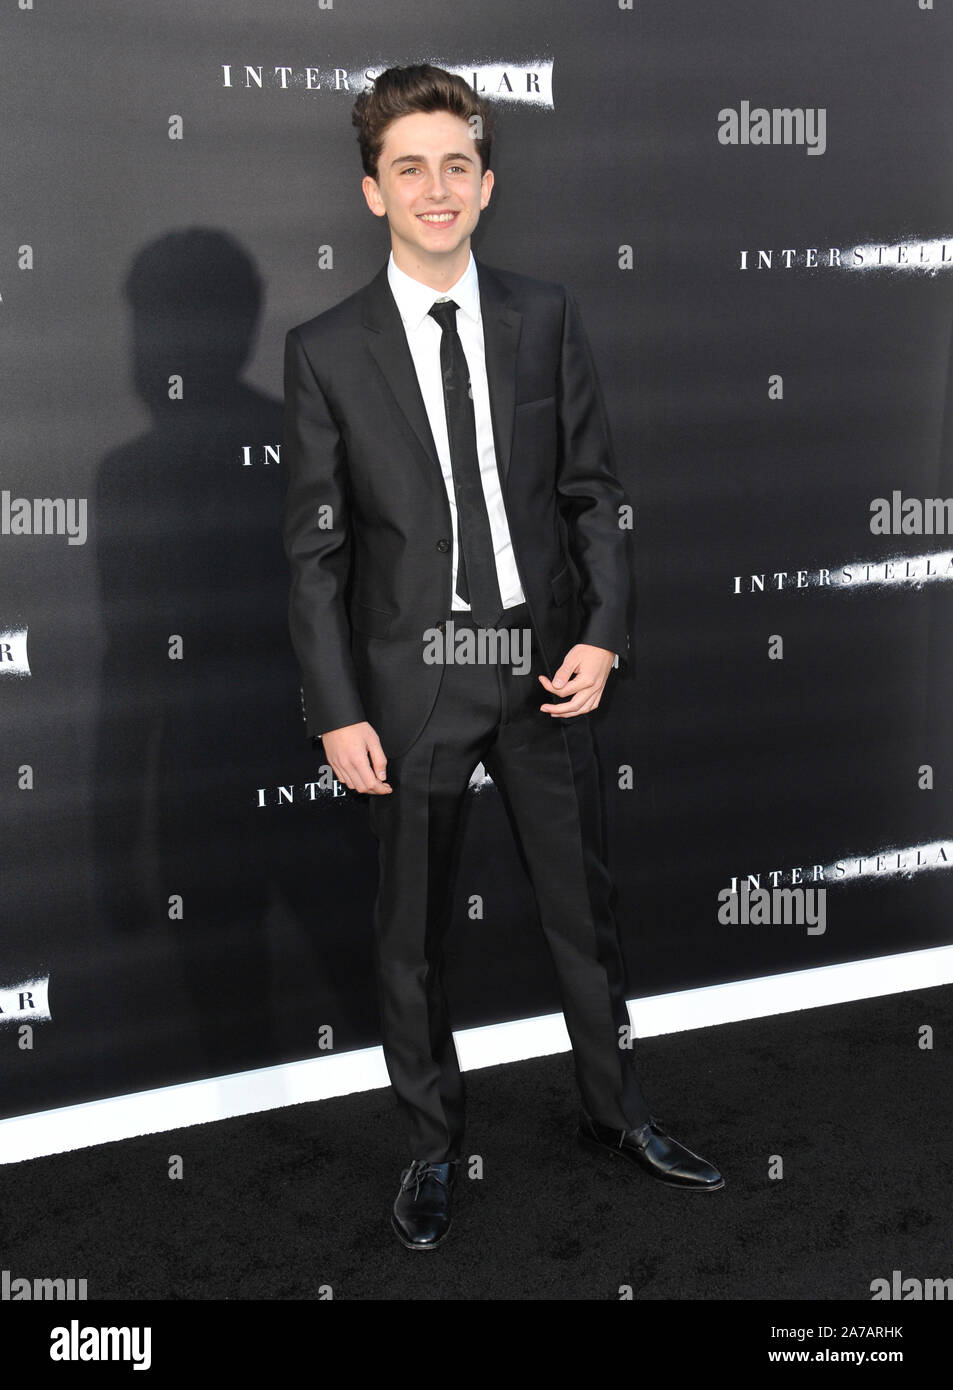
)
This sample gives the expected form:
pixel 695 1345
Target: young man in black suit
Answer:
pixel 450 471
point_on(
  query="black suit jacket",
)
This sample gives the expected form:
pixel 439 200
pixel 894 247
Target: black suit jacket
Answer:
pixel 367 525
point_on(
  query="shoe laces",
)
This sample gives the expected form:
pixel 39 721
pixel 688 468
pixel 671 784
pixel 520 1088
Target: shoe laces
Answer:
pixel 419 1170
pixel 643 1132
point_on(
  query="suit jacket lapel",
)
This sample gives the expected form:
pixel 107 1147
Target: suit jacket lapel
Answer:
pixel 388 342
pixel 501 334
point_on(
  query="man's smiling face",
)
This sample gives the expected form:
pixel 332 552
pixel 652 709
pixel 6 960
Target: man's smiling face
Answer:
pixel 430 188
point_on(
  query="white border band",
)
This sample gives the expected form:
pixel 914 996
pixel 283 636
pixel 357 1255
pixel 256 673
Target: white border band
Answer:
pixel 319 1078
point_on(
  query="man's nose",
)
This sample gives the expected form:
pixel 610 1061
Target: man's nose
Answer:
pixel 437 189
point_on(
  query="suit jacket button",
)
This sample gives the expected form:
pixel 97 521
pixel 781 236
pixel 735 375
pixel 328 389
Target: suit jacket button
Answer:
pixel 443 545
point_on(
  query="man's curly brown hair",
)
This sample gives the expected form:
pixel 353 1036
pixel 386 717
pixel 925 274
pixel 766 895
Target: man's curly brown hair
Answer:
pixel 400 92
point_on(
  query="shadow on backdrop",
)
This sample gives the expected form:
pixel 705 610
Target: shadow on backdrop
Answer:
pixel 189 553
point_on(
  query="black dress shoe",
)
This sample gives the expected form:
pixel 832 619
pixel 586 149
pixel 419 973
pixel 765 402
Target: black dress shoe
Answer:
pixel 652 1148
pixel 421 1216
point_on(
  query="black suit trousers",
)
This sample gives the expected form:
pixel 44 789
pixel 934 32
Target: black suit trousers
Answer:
pixel 547 774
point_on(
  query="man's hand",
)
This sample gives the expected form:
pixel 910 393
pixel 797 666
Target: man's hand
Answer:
pixel 580 680
pixel 357 758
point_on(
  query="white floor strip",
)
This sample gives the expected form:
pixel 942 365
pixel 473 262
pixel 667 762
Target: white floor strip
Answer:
pixel 318 1078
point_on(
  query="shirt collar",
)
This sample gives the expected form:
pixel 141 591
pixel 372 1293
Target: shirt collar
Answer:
pixel 414 299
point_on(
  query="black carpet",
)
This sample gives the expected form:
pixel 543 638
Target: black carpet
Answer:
pixel 275 1206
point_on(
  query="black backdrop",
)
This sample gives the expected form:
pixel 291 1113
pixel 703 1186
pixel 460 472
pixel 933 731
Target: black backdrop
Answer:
pixel 128 257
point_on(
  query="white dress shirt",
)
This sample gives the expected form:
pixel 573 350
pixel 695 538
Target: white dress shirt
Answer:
pixel 424 333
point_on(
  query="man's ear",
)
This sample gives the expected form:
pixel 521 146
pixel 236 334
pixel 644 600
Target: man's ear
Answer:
pixel 486 188
pixel 372 195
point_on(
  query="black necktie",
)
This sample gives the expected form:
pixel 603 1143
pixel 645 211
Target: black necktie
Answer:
pixel 477 582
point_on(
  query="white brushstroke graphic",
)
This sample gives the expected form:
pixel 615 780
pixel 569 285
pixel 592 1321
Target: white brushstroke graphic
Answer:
pixel 480 779
pixel 890 861
pixel 26 1003
pixel 905 571
pixel 529 82
pixel 524 81
pixel 904 257
pixel 910 256
pixel 14 662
